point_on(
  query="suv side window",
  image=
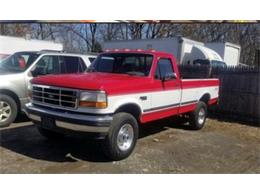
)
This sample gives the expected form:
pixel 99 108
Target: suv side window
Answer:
pixel 48 65
pixel 82 65
pixel 72 64
pixel 164 69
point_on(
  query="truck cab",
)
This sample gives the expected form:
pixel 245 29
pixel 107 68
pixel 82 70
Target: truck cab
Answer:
pixel 121 90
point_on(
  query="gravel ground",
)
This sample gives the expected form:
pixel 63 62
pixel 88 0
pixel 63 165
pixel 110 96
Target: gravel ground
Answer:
pixel 220 147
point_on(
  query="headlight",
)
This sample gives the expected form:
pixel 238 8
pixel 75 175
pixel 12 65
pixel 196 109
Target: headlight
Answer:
pixel 93 99
pixel 29 91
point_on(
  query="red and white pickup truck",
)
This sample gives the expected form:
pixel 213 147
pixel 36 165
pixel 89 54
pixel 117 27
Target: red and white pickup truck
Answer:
pixel 121 90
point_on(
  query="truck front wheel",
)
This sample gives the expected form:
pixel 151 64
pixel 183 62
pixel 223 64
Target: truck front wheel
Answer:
pixel 197 118
pixel 121 139
pixel 8 110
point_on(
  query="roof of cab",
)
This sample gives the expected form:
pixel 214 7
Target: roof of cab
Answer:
pixel 152 52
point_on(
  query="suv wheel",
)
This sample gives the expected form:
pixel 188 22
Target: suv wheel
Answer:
pixel 121 139
pixel 8 110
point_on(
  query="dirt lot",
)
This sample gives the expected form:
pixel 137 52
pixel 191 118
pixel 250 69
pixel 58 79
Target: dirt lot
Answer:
pixel 220 147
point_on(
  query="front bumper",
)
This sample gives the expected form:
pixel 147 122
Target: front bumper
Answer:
pixel 23 102
pixel 73 121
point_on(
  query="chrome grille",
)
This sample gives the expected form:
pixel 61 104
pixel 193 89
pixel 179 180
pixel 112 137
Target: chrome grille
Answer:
pixel 60 97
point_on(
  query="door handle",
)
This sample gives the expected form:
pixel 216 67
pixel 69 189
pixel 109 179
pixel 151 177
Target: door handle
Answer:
pixel 143 98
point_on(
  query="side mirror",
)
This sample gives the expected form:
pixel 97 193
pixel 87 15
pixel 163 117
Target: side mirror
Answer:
pixel 169 76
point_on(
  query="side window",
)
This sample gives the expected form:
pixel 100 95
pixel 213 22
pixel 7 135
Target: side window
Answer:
pixel 157 73
pixel 71 64
pixel 48 65
pixel 164 69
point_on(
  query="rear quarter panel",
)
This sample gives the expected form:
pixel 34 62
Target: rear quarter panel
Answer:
pixel 194 89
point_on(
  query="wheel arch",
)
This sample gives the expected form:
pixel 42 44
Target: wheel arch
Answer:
pixel 131 108
pixel 205 98
pixel 13 95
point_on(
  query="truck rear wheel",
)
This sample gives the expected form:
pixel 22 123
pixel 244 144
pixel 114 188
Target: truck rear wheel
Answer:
pixel 52 135
pixel 8 110
pixel 121 139
pixel 198 116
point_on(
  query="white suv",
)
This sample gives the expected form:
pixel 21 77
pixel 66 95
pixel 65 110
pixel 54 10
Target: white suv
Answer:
pixel 17 70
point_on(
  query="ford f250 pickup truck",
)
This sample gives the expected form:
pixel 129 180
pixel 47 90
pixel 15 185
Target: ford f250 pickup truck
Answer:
pixel 122 90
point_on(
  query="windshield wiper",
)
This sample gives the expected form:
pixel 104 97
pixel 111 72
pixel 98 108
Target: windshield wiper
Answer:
pixel 135 73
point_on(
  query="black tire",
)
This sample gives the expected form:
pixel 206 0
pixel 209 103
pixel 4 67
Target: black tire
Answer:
pixel 52 135
pixel 111 147
pixel 8 100
pixel 180 120
pixel 196 119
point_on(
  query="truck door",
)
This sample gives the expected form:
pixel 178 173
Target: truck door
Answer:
pixel 168 88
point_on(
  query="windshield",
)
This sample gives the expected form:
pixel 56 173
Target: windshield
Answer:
pixel 123 63
pixel 2 57
pixel 18 62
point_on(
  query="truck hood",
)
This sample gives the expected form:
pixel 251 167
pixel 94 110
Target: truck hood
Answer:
pixel 108 82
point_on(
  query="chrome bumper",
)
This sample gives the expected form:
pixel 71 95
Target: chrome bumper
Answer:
pixel 70 120
pixel 23 102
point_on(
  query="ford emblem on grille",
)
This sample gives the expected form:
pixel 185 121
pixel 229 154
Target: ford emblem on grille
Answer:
pixel 50 96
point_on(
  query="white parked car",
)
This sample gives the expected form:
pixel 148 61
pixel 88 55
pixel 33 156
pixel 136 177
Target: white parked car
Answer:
pixel 17 70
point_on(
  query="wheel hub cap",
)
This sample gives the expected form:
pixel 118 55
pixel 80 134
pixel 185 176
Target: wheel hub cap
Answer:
pixel 125 137
pixel 201 117
pixel 5 111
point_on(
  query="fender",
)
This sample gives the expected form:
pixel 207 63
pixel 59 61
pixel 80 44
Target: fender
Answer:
pixel 115 102
pixel 211 91
pixel 14 83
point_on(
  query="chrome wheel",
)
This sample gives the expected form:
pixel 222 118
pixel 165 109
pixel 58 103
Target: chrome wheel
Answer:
pixel 5 111
pixel 201 116
pixel 125 137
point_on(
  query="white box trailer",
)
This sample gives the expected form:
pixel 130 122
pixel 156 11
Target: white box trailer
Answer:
pixel 229 52
pixel 185 50
pixel 10 45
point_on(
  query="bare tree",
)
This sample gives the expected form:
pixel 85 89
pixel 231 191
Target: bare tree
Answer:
pixel 87 33
pixel 93 31
pixel 87 37
pixel 135 30
pixel 15 29
pixel 2 29
pixel 81 31
pixel 45 31
pixel 153 30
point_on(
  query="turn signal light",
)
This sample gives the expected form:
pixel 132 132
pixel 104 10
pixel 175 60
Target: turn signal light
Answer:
pixel 93 104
